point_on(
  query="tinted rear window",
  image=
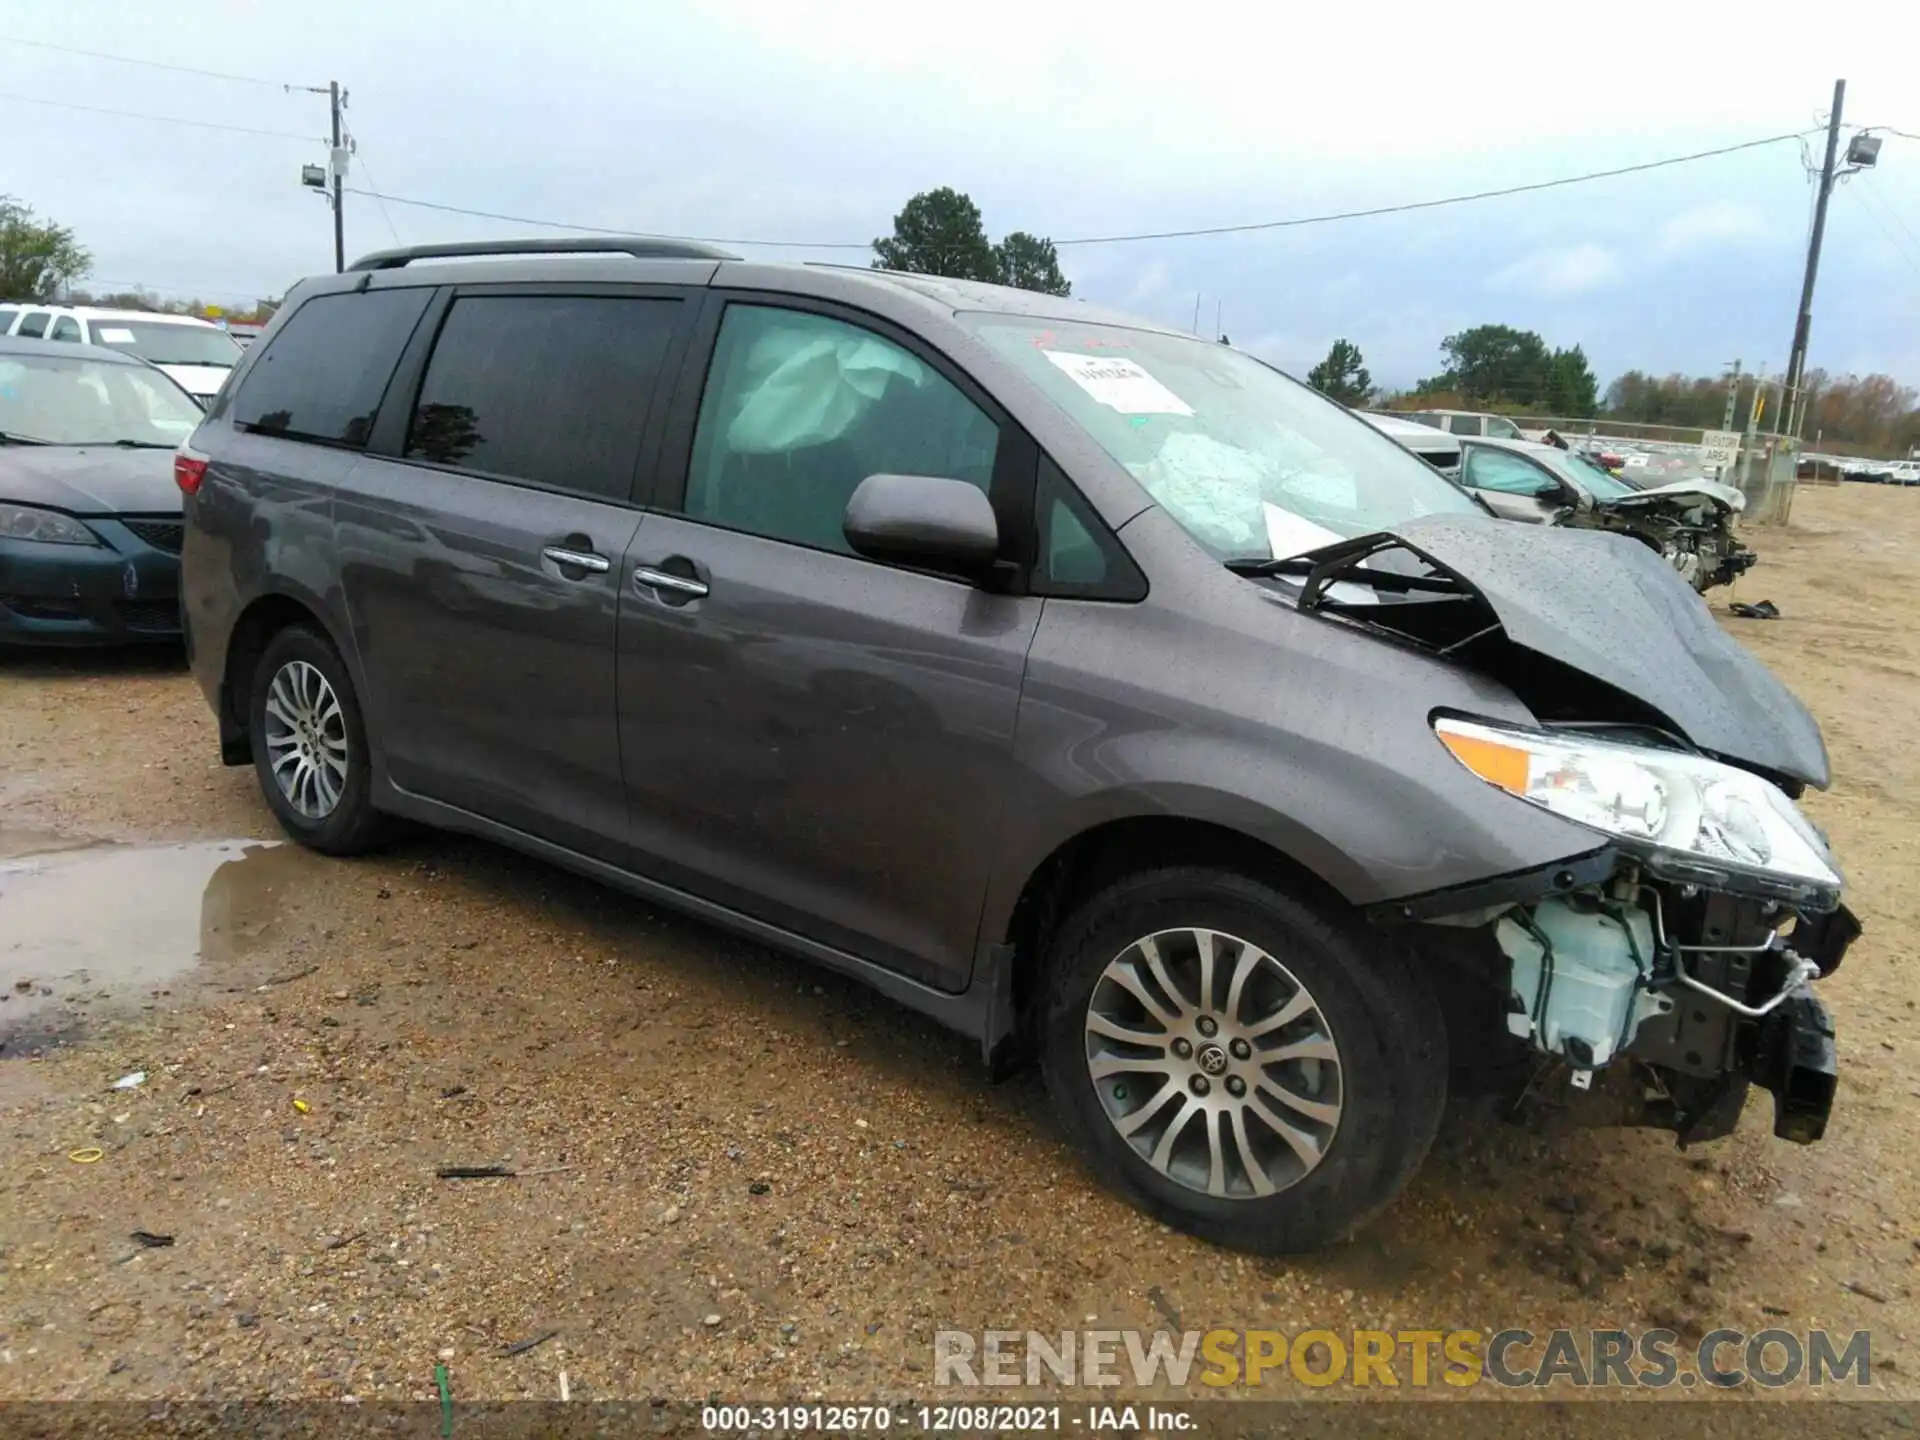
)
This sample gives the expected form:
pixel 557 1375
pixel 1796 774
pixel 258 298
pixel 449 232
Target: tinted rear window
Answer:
pixel 323 375
pixel 552 390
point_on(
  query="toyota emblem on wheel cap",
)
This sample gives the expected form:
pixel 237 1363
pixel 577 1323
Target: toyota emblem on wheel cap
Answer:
pixel 1212 1059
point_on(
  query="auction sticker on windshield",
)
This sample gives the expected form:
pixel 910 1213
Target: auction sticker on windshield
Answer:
pixel 1289 534
pixel 1118 384
pixel 115 336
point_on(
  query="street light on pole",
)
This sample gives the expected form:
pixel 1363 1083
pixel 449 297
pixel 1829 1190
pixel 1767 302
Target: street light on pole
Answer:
pixel 330 179
pixel 1863 152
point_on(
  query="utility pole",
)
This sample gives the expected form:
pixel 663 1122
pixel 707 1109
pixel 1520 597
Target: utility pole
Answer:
pixel 1803 323
pixel 1733 397
pixel 330 179
pixel 340 222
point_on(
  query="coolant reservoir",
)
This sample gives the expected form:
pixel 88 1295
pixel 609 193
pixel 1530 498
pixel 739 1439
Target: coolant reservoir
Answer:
pixel 1579 994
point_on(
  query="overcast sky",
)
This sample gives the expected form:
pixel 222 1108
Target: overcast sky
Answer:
pixel 812 120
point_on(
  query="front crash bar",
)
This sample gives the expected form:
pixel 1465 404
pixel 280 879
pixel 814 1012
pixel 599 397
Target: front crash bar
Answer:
pixel 1796 1060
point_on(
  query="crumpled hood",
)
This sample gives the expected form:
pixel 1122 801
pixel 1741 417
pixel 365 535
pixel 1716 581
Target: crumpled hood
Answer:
pixel 1725 495
pixel 90 480
pixel 1607 605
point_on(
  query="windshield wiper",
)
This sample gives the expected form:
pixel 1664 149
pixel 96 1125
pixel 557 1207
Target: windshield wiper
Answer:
pixel 1261 566
pixel 1340 571
pixel 6 439
pixel 140 444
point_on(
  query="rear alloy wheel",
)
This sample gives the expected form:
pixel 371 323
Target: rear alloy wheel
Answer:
pixel 306 735
pixel 310 745
pixel 1241 1065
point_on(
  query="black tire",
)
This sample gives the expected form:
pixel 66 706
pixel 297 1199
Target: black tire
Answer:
pixel 1377 1005
pixel 352 826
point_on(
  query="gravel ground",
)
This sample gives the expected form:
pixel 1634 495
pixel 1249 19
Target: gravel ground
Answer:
pixel 739 1176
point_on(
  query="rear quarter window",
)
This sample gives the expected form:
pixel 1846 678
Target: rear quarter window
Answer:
pixel 549 389
pixel 322 376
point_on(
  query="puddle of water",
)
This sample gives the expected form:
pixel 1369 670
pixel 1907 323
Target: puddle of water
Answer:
pixel 87 931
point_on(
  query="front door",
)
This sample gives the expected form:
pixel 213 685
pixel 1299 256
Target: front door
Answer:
pixel 482 562
pixel 1515 487
pixel 813 738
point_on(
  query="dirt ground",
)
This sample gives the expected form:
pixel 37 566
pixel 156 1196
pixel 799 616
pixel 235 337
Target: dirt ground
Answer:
pixel 741 1177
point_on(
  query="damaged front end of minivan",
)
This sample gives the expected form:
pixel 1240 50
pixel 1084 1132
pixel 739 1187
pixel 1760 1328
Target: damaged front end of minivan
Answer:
pixel 1676 958
pixel 1679 958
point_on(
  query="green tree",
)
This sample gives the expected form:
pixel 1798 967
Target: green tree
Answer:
pixel 1342 375
pixel 1493 363
pixel 36 259
pixel 1030 263
pixel 939 232
pixel 1571 389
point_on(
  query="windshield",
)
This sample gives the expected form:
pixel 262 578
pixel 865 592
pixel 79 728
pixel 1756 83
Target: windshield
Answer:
pixel 1251 463
pixel 58 400
pixel 166 344
pixel 1595 476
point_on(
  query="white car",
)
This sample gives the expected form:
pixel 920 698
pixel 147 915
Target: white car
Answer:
pixel 1438 448
pixel 197 354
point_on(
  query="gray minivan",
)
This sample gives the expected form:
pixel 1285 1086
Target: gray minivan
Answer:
pixel 1097 690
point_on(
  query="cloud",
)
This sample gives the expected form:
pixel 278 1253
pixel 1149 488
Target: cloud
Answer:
pixel 1573 270
pixel 1705 227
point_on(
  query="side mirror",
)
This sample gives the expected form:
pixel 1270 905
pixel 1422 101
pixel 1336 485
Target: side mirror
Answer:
pixel 923 520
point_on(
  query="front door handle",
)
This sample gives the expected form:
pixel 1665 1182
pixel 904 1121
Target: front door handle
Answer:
pixel 578 559
pixel 645 577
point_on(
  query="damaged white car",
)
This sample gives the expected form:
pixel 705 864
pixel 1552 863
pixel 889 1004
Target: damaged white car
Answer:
pixel 1689 522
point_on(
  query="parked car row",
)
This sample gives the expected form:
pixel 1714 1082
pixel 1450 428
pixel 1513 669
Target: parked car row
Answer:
pixel 194 352
pixel 1882 472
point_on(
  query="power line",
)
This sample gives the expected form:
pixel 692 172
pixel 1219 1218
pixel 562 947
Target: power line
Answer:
pixel 1435 204
pixel 150 64
pixel 1120 239
pixel 373 190
pixel 164 119
pixel 1877 208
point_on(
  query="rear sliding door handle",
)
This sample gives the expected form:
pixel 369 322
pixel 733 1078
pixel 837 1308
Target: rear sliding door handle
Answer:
pixel 645 577
pixel 578 559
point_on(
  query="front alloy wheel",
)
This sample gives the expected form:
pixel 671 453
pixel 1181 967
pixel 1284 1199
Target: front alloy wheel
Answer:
pixel 1214 1063
pixel 1253 1069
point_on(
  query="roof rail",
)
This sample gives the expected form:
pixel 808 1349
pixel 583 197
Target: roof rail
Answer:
pixel 641 247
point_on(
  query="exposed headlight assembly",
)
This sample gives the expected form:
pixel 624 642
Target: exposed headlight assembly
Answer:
pixel 1714 817
pixel 29 522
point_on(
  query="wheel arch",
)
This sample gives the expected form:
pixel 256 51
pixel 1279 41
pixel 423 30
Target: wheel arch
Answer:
pixel 1094 857
pixel 264 617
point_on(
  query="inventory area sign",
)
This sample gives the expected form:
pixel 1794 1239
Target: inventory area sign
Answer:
pixel 1719 447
